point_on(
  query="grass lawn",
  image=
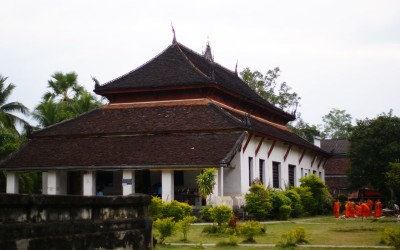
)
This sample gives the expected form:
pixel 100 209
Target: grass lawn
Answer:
pixel 320 231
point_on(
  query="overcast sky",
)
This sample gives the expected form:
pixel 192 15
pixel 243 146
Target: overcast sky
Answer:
pixel 334 54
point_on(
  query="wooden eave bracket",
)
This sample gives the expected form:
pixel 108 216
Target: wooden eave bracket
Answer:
pixel 259 145
pixel 323 165
pixel 247 142
pixel 320 161
pixel 287 152
pixel 302 155
pixel 271 148
pixel 312 162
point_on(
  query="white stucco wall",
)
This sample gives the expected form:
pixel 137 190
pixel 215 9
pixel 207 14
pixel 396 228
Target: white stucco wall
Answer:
pixel 236 178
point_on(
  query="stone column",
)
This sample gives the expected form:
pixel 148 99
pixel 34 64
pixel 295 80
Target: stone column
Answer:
pixel 89 183
pixel 52 183
pixel 12 183
pixel 128 182
pixel 167 185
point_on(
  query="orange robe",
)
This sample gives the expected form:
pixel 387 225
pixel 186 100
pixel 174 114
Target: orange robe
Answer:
pixel 352 209
pixel 365 210
pixel 347 209
pixel 336 209
pixel 358 210
pixel 378 209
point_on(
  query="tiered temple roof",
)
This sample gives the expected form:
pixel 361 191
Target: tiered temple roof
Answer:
pixel 178 110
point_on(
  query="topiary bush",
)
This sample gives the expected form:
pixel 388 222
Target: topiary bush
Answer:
pixel 184 225
pixel 284 212
pixel 155 208
pixel 221 214
pixel 258 202
pixel 249 229
pixel 205 214
pixel 391 237
pixel 290 239
pixel 177 210
pixel 166 227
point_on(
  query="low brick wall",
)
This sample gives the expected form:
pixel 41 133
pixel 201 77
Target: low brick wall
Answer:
pixel 74 222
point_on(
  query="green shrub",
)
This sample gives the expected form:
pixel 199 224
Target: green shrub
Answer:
pixel 290 239
pixel 210 229
pixel 221 214
pixel 323 200
pixel 184 225
pixel 310 205
pixel 278 199
pixel 166 227
pixel 177 210
pixel 258 202
pixel 233 241
pixel 205 214
pixel 284 212
pixel 296 204
pixel 249 229
pixel 155 208
pixel 391 237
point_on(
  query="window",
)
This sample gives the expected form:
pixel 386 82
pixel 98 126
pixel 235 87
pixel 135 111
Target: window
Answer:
pixel 178 178
pixel 314 172
pixel 302 172
pixel 262 170
pixel 320 174
pixel 250 170
pixel 275 174
pixel 292 171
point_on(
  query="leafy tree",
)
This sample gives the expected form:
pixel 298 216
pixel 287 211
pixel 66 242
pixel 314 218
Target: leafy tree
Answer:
pixel 305 130
pixel 65 99
pixel 337 124
pixel 374 143
pixel 268 88
pixel 7 118
pixel 206 182
pixel 392 179
pixel 64 87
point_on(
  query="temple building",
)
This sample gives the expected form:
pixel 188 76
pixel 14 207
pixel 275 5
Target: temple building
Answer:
pixel 166 121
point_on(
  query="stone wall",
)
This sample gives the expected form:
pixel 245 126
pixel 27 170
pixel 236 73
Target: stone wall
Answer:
pixel 74 222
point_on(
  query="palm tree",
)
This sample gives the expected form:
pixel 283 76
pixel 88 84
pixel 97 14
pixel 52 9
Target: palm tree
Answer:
pixel 84 103
pixel 49 112
pixel 64 87
pixel 7 118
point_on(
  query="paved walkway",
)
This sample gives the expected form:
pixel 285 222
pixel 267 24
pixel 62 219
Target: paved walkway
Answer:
pixel 306 246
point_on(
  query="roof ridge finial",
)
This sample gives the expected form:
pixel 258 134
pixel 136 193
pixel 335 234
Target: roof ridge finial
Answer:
pixel 173 32
pixel 236 72
pixel 207 53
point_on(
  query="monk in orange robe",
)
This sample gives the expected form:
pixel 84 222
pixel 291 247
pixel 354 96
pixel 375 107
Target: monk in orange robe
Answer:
pixel 347 209
pixel 365 210
pixel 358 210
pixel 352 209
pixel 378 209
pixel 336 209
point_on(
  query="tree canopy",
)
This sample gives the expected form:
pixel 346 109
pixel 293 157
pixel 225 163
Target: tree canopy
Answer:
pixel 337 124
pixel 374 143
pixel 279 94
pixel 65 99
pixel 7 109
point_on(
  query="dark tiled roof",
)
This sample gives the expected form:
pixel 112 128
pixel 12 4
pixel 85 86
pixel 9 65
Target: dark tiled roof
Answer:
pixel 335 146
pixel 185 150
pixel 136 136
pixel 135 120
pixel 179 66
